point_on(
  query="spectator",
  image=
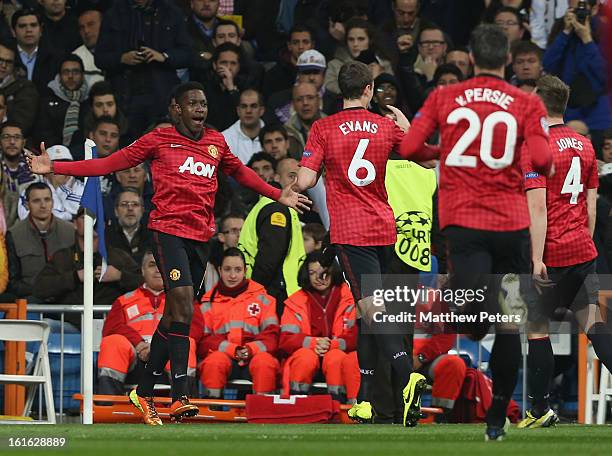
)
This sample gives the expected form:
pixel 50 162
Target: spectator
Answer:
pixel 136 178
pixel 311 68
pixel 62 102
pixel 66 190
pixel 8 217
pixel 128 329
pixel 274 141
pixel 90 22
pixel 61 280
pixel 40 60
pixel 249 352
pixel 264 165
pixel 402 32
pixel 526 62
pixel 201 23
pixel 243 136
pixel 386 92
pixel 509 19
pixel 141 45
pixel 271 239
pixel 221 86
pixel 574 56
pixel 105 133
pixel 446 74
pixel 20 94
pixel 313 234
pixel 360 44
pixel 102 103
pixel 227 237
pixel 579 127
pixel 60 26
pixel 318 333
pixel 542 17
pixel 460 57
pixel 129 233
pixel 17 174
pixel 306 103
pixel 432 51
pixel 282 75
pixel 32 242
pixel 606 150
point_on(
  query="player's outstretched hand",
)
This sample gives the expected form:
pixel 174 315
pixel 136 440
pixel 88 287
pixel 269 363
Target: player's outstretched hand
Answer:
pixel 293 199
pixel 39 164
pixel 400 119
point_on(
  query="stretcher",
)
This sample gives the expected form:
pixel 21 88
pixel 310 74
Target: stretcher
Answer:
pixel 120 410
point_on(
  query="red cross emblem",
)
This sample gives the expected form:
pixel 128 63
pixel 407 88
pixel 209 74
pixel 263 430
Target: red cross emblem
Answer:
pixel 253 309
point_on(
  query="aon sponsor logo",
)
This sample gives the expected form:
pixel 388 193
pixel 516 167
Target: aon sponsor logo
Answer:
pixel 197 168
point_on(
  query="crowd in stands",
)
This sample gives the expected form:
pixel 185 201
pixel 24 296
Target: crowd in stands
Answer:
pixel 106 69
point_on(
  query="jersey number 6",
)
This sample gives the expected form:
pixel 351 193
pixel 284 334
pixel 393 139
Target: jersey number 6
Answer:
pixel 358 162
pixel 456 157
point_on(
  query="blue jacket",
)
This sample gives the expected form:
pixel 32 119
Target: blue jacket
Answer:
pixel 568 56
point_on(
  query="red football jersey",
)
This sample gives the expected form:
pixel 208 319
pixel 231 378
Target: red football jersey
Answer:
pixel 354 146
pixel 184 174
pixel 483 123
pixel 568 240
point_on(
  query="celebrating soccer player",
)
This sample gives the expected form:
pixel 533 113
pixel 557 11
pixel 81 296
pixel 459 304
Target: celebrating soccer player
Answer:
pixel 184 160
pixel 483 209
pixel 562 211
pixel 354 146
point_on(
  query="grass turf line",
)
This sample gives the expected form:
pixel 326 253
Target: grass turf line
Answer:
pixel 255 440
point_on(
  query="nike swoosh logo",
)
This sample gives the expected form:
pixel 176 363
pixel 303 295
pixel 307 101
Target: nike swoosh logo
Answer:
pixel 157 373
pixel 179 376
pixel 176 145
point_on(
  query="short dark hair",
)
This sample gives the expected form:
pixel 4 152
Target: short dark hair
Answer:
pixel 233 252
pixel 489 47
pixel 432 27
pixel 260 97
pixel 522 47
pixel 353 79
pixel 10 44
pixel 511 10
pixel 315 257
pixel 301 28
pixel 185 87
pixel 607 134
pixel 10 123
pixel 554 94
pixel 128 190
pixel 99 89
pixel 271 128
pixel 447 68
pixel 231 215
pixel 316 230
pixel 223 22
pixel 262 156
pixel 71 58
pixel 36 186
pixel 104 120
pixel 226 47
pixel 22 13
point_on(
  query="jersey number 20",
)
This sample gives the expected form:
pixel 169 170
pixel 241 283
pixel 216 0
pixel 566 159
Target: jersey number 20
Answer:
pixel 456 157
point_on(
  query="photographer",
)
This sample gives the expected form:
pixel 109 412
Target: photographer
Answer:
pixel 576 58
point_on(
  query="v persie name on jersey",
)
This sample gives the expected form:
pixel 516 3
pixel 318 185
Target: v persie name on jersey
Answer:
pixel 480 94
pixel 351 126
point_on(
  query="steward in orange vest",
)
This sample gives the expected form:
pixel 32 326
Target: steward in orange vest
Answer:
pixel 240 331
pixel 318 333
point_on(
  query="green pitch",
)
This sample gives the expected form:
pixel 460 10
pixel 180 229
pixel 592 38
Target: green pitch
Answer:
pixel 319 440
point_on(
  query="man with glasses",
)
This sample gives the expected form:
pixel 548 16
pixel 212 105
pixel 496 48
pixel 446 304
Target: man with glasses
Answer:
pixel 128 233
pixel 16 170
pixel 432 49
pixel 60 107
pixel 509 19
pixel 243 136
pixel 20 94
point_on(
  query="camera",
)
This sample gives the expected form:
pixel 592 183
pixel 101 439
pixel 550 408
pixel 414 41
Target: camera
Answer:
pixel 582 12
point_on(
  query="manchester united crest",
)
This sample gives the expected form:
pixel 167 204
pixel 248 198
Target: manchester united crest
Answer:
pixel 212 150
pixel 175 274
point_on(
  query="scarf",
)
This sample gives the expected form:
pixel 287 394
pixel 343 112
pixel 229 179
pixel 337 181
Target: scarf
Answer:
pixel 74 98
pixel 234 291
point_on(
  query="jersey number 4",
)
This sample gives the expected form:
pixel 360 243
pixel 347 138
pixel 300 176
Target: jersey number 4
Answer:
pixel 572 183
pixel 456 156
